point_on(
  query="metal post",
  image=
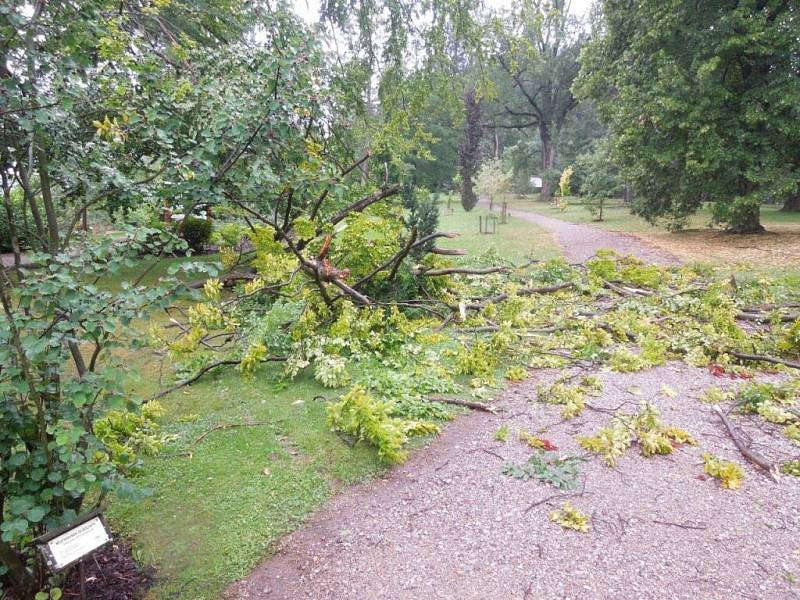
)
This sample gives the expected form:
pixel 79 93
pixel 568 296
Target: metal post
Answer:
pixel 82 570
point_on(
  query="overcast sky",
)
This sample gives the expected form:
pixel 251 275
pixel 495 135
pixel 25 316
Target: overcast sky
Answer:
pixel 309 9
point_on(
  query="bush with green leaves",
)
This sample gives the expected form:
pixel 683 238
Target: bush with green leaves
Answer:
pixel 195 232
pixel 68 427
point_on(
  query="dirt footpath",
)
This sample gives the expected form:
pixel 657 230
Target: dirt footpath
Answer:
pixel 448 524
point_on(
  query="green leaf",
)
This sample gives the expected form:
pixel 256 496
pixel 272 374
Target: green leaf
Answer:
pixel 37 513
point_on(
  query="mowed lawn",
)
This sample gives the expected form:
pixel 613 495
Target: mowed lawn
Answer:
pixel 516 240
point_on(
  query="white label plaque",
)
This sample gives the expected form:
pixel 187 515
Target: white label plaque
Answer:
pixel 77 542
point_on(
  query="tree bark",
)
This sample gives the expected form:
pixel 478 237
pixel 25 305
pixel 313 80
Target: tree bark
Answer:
pixel 792 204
pixel 23 580
pixel 12 225
pixel 628 197
pixel 749 222
pixel 548 158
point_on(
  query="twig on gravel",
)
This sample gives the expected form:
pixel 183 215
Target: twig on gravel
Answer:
pixel 557 497
pixel 468 403
pixel 529 590
pixel 752 456
pixel 491 452
pixel 686 525
pixel 548 499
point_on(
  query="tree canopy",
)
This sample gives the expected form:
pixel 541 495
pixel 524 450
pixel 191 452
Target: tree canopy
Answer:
pixel 703 105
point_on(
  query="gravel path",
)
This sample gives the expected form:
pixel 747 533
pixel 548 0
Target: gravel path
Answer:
pixel 449 525
pixel 7 260
pixel 580 242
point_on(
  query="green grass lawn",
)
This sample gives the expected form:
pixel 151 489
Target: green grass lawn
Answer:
pixel 517 240
pixel 213 515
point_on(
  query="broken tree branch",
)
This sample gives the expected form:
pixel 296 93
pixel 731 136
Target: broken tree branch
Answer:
pixel 366 201
pixel 463 271
pixel 205 370
pixel 467 403
pixel 767 359
pixel 752 456
pixel 222 426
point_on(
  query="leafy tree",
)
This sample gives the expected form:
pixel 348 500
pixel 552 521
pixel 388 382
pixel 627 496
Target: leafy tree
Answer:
pixel 469 149
pixel 521 158
pixel 492 179
pixel 600 179
pixel 703 104
pixel 536 47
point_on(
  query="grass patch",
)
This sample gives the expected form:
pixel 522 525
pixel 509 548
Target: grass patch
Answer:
pixel 212 517
pixel 517 240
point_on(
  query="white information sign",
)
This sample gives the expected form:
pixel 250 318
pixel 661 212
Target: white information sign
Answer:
pixel 536 182
pixel 77 542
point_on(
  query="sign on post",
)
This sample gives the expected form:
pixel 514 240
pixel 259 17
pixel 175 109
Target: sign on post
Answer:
pixel 67 545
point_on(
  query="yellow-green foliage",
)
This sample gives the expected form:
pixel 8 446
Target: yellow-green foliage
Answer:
pixel 653 436
pixel 501 435
pixel 533 441
pixel 592 385
pixel 516 374
pixel 608 266
pixel 610 442
pixel 792 432
pixel 572 398
pixel 362 417
pixel 479 360
pixel 625 361
pixel 715 395
pixel 729 473
pixel 640 274
pixel 564 187
pixel 570 517
pixel 775 414
pixel 654 352
pixel 790 340
pixel 791 467
pixel 126 434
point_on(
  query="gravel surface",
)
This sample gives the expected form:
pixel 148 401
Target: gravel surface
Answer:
pixel 7 260
pixel 448 524
pixel 581 242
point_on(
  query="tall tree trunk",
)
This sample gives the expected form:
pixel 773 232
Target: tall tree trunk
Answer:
pixel 548 159
pixel 469 154
pixel 53 239
pixel 792 204
pixel 750 222
pixel 12 223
